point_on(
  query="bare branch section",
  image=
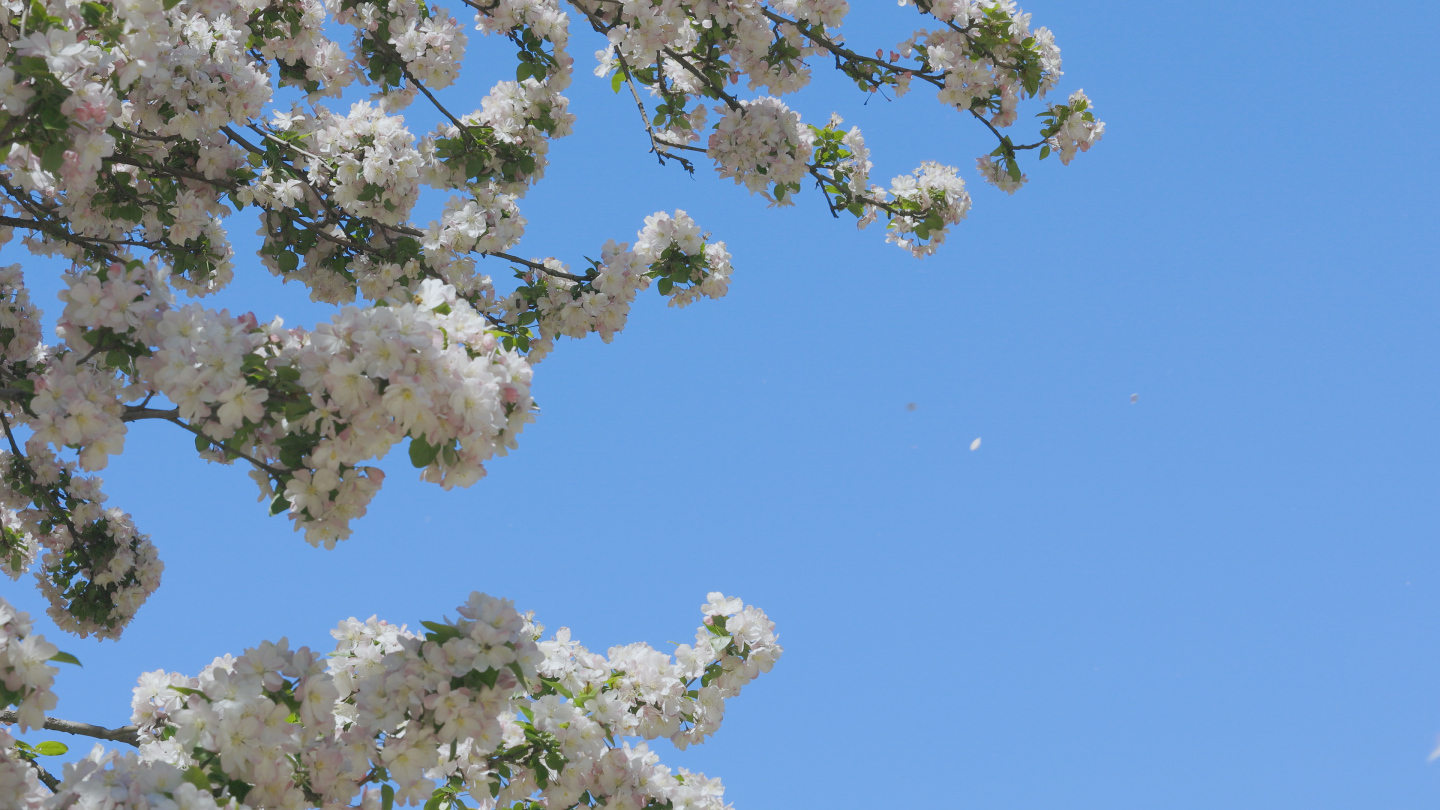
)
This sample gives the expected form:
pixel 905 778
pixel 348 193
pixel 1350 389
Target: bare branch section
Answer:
pixel 46 777
pixel 125 734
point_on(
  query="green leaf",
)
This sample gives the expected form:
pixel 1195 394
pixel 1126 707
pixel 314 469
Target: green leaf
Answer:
pixel 292 451
pixel 197 777
pixel 94 13
pixel 279 504
pixel 65 658
pixel 185 690
pixel 387 797
pixel 1044 151
pixel 422 453
pixel 297 409
pixel 53 157
pixel 51 748
pixel 442 632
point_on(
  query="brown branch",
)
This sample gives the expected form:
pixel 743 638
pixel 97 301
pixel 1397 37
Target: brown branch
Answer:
pixel 134 412
pixel 43 224
pixel 45 777
pixel 538 266
pixel 174 419
pixel 237 138
pixel 126 734
pixel 815 34
pixel 655 142
pixel 730 101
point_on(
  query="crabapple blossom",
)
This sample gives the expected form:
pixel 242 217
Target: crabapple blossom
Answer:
pixel 132 130
pixel 476 709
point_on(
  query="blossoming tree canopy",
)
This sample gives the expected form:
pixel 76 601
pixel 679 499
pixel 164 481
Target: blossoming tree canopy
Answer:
pixel 131 129
pixel 476 712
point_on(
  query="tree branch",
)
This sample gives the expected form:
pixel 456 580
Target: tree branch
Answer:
pixel 538 266
pixel 134 412
pixel 174 419
pixel 815 33
pixel 45 777
pixel 126 734
pixel 660 154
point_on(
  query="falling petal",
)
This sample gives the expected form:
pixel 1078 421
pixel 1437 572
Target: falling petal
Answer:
pixel 1134 397
pixel 975 445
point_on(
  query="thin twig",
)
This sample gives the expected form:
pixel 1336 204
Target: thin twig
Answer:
pixel 175 420
pixel 538 266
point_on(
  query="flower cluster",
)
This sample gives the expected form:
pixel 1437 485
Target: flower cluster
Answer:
pixel 313 406
pixel 997 174
pixel 369 161
pixel 761 145
pixel 989 56
pixel 25 680
pixel 19 318
pixel 1075 127
pixel 396 42
pixel 932 199
pixel 97 569
pixel 19 781
pixel 473 710
pixel 25 673
pixel 669 248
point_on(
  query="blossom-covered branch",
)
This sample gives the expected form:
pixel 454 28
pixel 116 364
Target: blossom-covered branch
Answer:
pixel 130 130
pixel 472 712
pixel 983 60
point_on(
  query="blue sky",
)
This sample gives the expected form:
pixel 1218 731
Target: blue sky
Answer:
pixel 1225 594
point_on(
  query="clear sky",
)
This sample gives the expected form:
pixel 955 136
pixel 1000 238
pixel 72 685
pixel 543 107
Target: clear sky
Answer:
pixel 1224 594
